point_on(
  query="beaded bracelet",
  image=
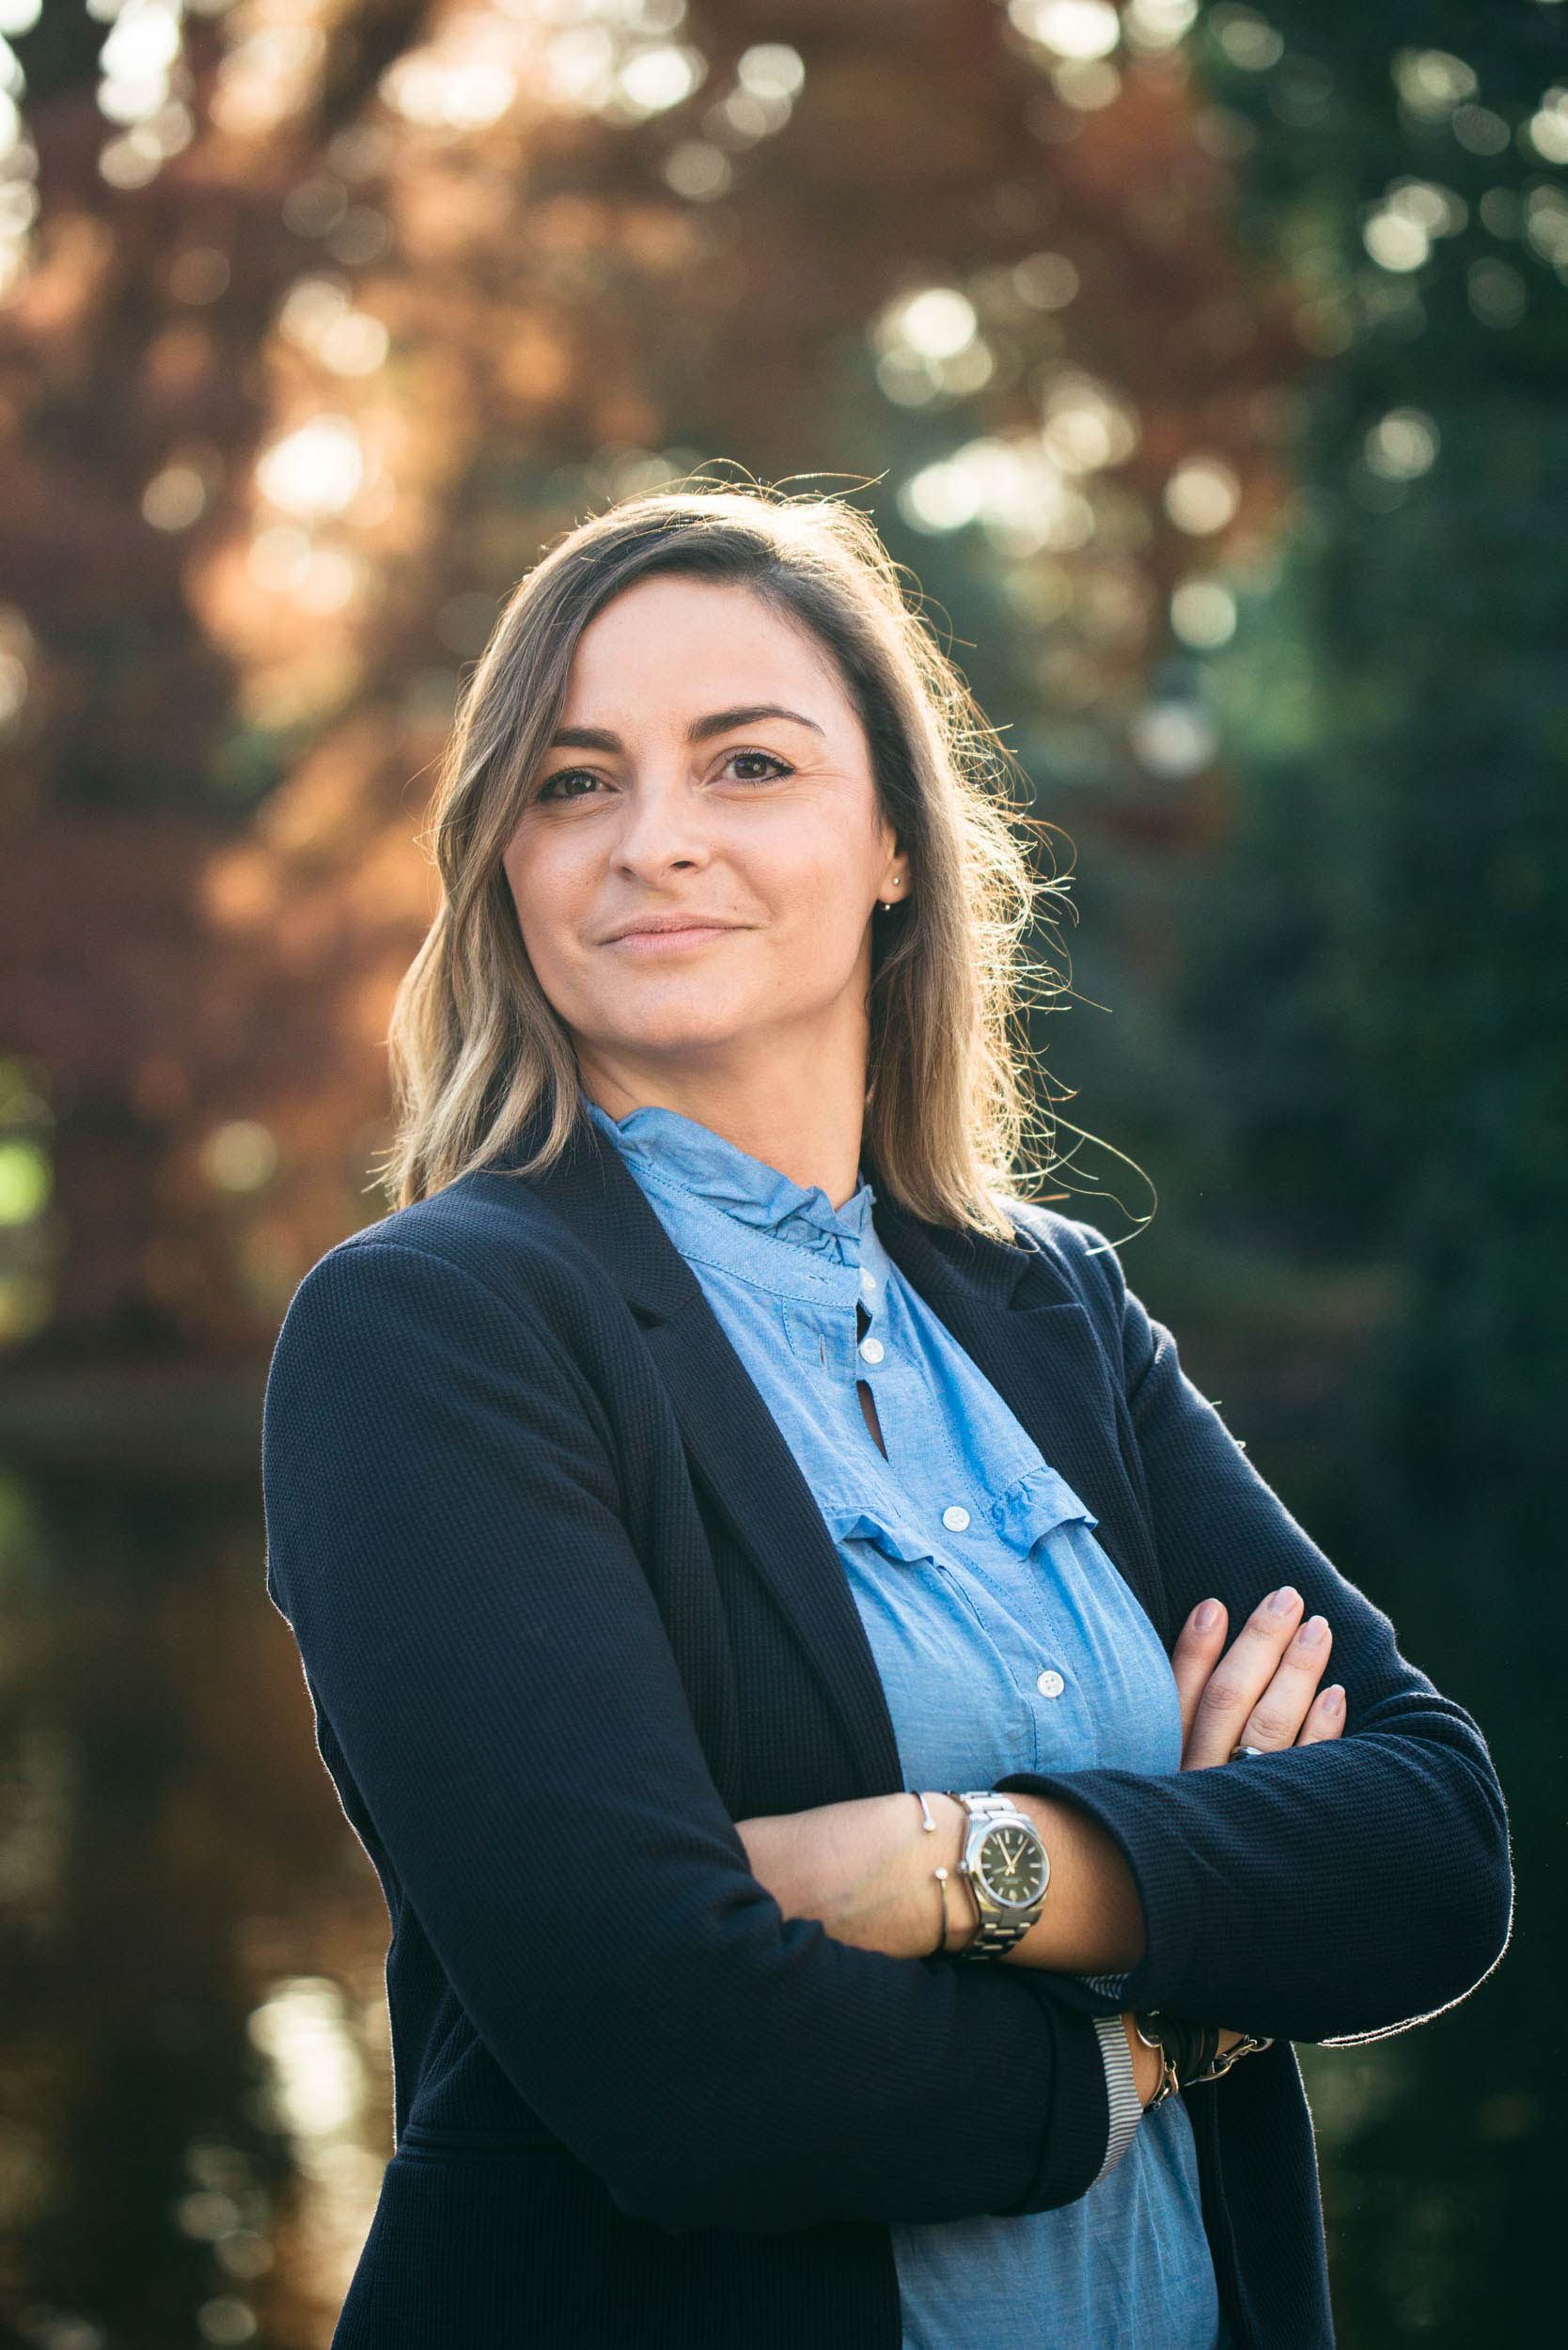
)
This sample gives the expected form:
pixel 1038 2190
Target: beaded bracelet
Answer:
pixel 940 1875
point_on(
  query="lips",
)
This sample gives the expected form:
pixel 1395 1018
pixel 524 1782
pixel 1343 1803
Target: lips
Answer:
pixel 675 925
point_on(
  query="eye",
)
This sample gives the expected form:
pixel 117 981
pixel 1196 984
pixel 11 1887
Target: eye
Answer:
pixel 547 789
pixel 782 766
pixel 559 787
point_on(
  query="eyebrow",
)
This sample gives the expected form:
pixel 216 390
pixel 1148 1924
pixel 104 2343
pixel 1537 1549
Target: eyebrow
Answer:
pixel 716 722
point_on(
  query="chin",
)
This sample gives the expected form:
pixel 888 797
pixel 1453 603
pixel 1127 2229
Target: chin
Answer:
pixel 677 1030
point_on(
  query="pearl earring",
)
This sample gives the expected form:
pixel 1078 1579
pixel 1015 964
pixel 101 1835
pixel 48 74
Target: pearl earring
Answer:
pixel 888 902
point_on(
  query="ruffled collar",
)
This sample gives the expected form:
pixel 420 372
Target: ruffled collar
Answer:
pixel 679 1154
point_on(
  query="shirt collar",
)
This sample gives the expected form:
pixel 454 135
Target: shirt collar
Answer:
pixel 740 1211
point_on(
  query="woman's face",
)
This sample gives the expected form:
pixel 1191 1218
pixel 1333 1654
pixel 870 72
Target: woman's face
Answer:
pixel 709 766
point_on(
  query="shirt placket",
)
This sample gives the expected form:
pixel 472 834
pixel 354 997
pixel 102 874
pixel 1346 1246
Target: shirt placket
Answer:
pixel 971 1547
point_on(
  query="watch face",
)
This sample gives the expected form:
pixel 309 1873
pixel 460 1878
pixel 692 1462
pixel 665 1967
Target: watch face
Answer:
pixel 1011 1865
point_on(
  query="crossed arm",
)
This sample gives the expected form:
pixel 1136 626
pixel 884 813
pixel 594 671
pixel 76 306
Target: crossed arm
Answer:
pixel 864 1870
pixel 447 1536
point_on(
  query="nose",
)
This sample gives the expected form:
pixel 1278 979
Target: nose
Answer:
pixel 661 827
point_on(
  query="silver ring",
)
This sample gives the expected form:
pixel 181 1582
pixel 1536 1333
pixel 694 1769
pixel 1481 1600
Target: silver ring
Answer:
pixel 1237 1752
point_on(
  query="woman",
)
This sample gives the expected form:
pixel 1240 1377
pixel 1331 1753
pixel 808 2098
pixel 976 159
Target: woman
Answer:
pixel 765 1588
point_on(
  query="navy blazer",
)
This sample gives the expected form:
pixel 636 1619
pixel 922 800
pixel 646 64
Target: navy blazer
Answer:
pixel 567 1610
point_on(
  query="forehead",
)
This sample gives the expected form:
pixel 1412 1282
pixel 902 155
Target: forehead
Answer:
pixel 676 646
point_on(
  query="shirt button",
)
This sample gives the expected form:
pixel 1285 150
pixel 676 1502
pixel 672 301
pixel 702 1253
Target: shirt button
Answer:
pixel 954 1518
pixel 871 1349
pixel 868 1282
pixel 1050 1684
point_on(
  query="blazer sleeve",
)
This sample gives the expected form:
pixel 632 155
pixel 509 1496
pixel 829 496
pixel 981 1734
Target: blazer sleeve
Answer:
pixel 1331 1892
pixel 445 1537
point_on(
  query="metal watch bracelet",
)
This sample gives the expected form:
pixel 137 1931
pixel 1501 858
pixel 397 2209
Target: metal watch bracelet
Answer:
pixel 983 1807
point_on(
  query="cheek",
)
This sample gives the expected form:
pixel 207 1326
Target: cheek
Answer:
pixel 820 902
pixel 807 871
pixel 545 891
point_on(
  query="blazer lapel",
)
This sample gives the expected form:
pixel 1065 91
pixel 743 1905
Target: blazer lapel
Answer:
pixel 739 1456
pixel 1012 1312
pixel 735 1449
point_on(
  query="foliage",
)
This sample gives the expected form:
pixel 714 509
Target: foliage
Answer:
pixel 1206 366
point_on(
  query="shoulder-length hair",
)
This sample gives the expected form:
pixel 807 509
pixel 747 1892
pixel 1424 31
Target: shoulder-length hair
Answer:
pixel 477 1050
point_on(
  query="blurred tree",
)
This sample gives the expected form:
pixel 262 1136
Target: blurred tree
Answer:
pixel 1376 979
pixel 301 365
pixel 308 360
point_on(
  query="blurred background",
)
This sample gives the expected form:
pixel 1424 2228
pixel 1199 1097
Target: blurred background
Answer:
pixel 1208 367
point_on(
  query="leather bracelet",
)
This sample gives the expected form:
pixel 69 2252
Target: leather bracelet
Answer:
pixel 1173 2037
pixel 1186 2044
pixel 1251 2044
pixel 1196 2044
pixel 1211 2064
pixel 1200 2047
pixel 1169 2082
pixel 1193 2049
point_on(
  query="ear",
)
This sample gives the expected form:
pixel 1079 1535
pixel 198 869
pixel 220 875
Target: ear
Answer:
pixel 896 861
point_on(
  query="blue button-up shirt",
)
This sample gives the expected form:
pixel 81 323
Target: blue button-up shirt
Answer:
pixel 1006 1641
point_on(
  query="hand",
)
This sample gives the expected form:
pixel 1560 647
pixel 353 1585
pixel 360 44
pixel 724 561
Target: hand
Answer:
pixel 1261 1692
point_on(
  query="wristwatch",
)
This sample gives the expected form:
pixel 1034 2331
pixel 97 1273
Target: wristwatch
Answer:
pixel 1006 1867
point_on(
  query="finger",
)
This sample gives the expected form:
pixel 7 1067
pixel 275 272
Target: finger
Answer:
pixel 1194 1657
pixel 1282 1708
pixel 1241 1676
pixel 1327 1719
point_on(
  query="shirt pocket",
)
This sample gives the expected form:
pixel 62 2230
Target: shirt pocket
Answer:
pixel 952 1663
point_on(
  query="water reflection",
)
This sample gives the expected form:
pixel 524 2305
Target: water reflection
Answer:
pixel 192 2070
pixel 321 2093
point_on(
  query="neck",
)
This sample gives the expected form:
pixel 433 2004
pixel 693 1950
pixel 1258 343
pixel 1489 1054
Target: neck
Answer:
pixel 802 1119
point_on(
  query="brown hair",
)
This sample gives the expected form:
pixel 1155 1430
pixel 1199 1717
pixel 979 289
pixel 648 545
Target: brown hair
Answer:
pixel 477 1050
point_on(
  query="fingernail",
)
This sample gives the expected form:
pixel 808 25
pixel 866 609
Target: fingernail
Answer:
pixel 1205 1617
pixel 1313 1632
pixel 1281 1601
pixel 1334 1700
